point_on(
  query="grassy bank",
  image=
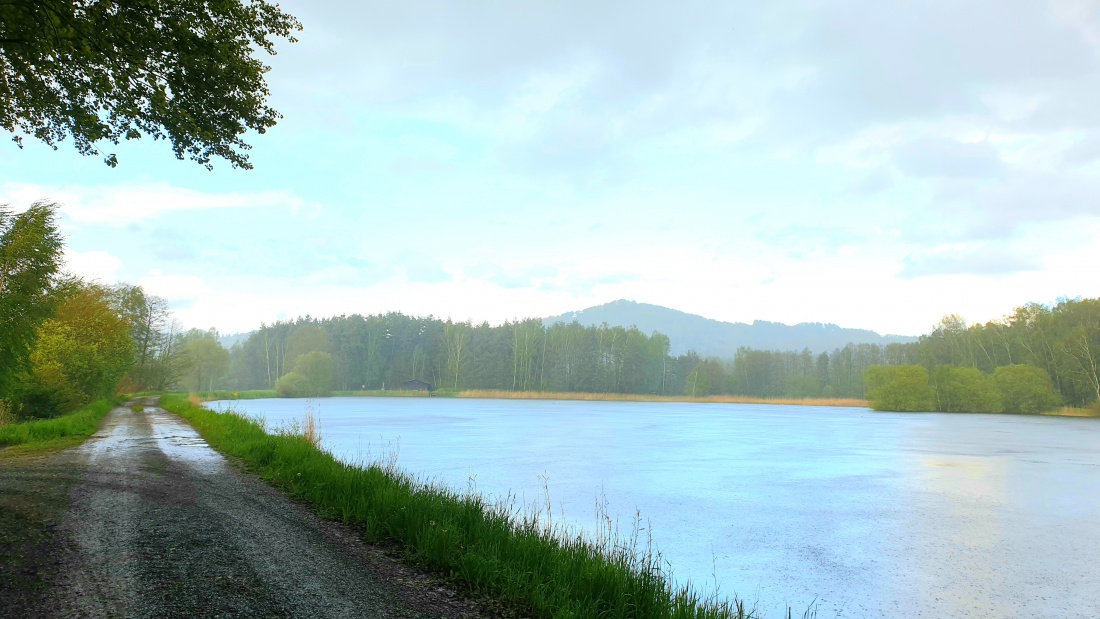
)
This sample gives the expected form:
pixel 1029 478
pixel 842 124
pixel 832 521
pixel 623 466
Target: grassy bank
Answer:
pixel 492 550
pixel 628 397
pixel 56 433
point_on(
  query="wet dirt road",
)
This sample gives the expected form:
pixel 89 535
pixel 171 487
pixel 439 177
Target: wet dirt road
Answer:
pixel 155 523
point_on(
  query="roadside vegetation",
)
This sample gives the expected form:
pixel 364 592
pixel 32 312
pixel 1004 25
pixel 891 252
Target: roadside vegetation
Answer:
pixel 57 433
pixel 521 559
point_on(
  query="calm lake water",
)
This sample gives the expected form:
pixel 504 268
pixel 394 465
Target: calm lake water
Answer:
pixel 871 514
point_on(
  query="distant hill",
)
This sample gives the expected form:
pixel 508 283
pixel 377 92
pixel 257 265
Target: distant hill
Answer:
pixel 722 339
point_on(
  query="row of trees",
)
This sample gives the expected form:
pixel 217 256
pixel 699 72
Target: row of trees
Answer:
pixel 383 351
pixel 1031 360
pixel 794 374
pixel 1063 340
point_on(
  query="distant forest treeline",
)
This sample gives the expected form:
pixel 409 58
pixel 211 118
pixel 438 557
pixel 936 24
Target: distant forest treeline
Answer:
pixel 383 351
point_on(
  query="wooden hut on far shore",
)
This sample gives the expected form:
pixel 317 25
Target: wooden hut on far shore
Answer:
pixel 417 385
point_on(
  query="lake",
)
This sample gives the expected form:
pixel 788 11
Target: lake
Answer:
pixel 871 514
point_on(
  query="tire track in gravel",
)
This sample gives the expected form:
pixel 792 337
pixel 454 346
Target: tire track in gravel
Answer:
pixel 161 525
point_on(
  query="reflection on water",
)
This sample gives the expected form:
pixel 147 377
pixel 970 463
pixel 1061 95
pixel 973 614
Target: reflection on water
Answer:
pixel 874 515
pixel 962 536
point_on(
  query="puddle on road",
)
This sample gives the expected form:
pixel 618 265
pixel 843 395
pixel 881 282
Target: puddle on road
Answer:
pixel 180 441
pixel 125 434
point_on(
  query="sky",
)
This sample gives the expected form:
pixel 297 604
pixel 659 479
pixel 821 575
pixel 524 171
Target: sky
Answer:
pixel 870 163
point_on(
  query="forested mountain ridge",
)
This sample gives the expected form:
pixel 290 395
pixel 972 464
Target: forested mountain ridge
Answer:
pixel 714 338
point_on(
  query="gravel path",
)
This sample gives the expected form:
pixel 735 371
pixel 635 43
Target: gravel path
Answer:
pixel 157 524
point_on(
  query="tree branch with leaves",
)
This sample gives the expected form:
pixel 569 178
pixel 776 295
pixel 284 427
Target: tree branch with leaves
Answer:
pixel 107 70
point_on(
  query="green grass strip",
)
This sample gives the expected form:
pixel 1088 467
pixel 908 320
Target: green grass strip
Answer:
pixel 66 430
pixel 493 550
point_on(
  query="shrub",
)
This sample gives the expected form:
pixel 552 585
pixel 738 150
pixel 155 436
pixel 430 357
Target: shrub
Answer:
pixel 1025 389
pixel 294 385
pixel 965 390
pixel 317 367
pixel 898 388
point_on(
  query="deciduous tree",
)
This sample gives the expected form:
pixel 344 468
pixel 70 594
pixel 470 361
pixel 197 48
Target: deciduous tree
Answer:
pixel 203 359
pixel 30 257
pixel 81 354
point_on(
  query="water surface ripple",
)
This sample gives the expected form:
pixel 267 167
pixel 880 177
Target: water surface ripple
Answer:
pixel 873 514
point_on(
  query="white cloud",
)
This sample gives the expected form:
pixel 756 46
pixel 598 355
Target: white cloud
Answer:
pixel 982 259
pixel 940 157
pixel 92 265
pixel 129 203
pixel 181 290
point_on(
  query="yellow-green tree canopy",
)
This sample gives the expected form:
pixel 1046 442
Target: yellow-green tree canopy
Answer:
pixel 180 70
pixel 80 355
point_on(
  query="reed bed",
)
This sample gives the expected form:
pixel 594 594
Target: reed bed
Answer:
pixel 381 393
pixel 1069 411
pixel 629 397
pixel 519 558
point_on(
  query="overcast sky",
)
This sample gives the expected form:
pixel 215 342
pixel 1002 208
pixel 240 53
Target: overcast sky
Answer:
pixel 870 163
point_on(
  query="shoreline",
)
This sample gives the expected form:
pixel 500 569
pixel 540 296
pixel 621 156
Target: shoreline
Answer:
pixel 630 397
pixel 493 394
